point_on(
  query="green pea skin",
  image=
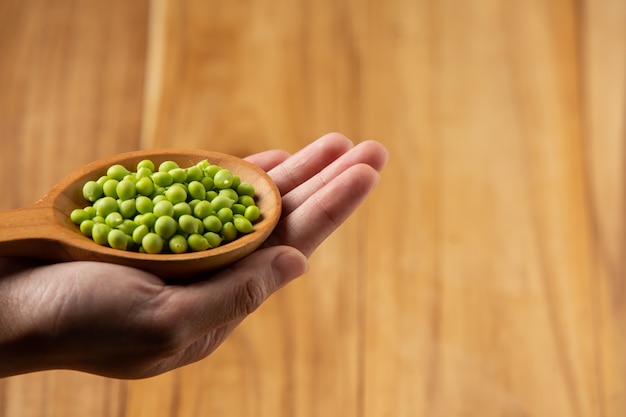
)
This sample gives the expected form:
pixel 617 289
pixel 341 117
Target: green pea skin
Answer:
pixel 152 243
pixel 252 213
pixel 146 163
pixel 213 238
pixel 197 243
pixel 202 209
pixel 128 208
pixel 114 219
pixel 196 190
pixel 178 244
pixel 165 226
pixel 117 239
pixel 139 233
pixel 246 189
pixel 105 205
pixel 78 216
pixel 181 208
pixel 225 215
pixel 167 166
pixel 229 232
pixel 100 232
pixel 163 208
pixel 179 175
pixel 212 223
pixel 109 188
pixel 162 179
pixel 176 194
pixel 194 173
pixel 145 186
pixel 92 191
pixel 188 224
pixel 242 224
pixel 86 227
pixel 223 179
pixel 144 204
pixel 117 172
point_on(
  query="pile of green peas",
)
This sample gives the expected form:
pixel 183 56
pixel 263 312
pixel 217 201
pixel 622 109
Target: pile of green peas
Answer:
pixel 167 209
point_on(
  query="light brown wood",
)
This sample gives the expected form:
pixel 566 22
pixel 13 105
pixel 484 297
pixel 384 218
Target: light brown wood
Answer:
pixel 45 231
pixel 500 293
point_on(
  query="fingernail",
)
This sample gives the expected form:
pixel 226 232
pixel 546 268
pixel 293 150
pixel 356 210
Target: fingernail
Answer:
pixel 289 265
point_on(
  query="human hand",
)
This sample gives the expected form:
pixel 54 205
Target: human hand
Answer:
pixel 122 322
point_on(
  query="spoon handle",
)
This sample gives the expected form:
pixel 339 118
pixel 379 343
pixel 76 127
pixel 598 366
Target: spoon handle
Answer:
pixel 30 231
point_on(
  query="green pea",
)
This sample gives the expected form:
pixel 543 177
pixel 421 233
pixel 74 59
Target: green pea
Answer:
pixel 103 179
pixel 179 175
pixel 144 204
pixel 117 172
pixel 252 213
pixel 163 208
pixel 109 188
pixel 167 166
pixel 162 179
pixel 181 208
pixel 202 209
pixel 98 219
pixel 225 215
pixel 99 233
pixel 246 189
pixel 213 238
pixel 145 186
pixel 92 191
pixel 78 216
pixel 211 170
pixel 212 223
pixel 210 195
pixel 159 197
pixel 143 172
pixel 105 205
pixel 139 233
pixel 117 239
pixel 246 200
pixel 188 224
pixel 152 243
pixel 221 202
pixel 148 219
pixel 223 179
pixel 91 211
pixel 230 194
pixel 197 242
pixel 165 226
pixel 128 227
pixel 208 183
pixel 196 190
pixel 146 163
pixel 203 164
pixel 238 209
pixel 128 208
pixel 242 224
pixel 194 173
pixel 176 194
pixel 178 244
pixel 236 182
pixel 86 227
pixel 114 219
pixel 125 189
pixel 229 232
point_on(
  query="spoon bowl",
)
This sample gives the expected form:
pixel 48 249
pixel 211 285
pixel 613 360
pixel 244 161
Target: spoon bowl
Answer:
pixel 45 231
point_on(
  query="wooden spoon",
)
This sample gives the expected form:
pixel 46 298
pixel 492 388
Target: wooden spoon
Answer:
pixel 44 230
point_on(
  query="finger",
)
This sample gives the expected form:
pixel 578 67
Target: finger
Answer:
pixel 370 153
pixel 306 227
pixel 309 161
pixel 268 159
pixel 234 292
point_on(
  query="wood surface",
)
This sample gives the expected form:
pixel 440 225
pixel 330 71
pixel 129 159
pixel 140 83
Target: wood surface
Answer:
pixel 483 277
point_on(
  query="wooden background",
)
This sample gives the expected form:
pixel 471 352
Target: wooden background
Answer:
pixel 484 277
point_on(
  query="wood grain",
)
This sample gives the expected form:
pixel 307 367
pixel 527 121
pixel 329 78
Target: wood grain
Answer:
pixel 484 276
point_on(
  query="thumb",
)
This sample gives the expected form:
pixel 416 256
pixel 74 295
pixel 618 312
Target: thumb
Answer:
pixel 238 290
